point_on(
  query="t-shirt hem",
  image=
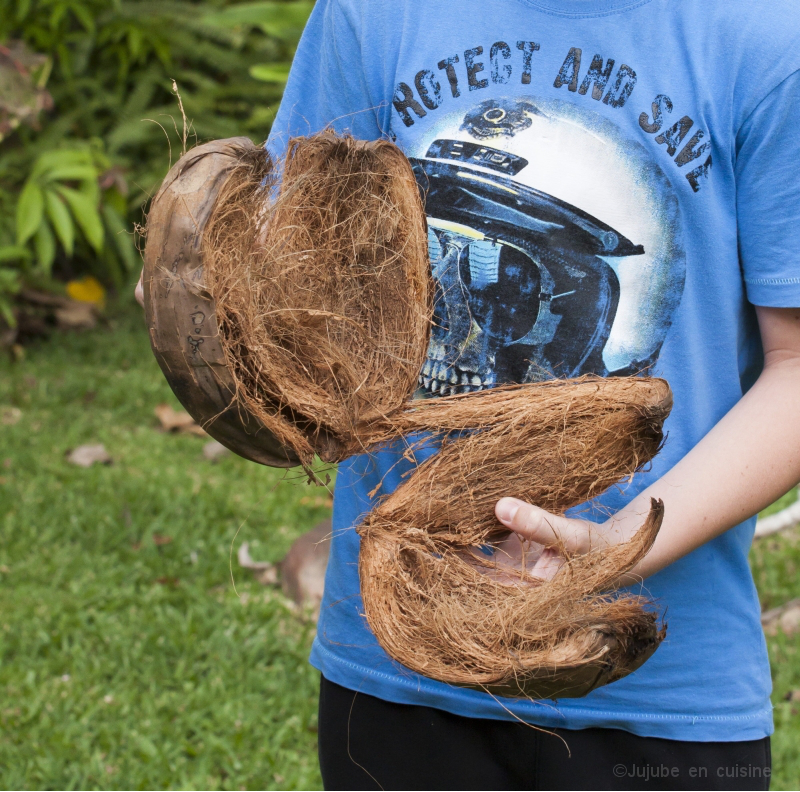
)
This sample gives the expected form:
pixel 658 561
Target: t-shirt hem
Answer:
pixel 774 292
pixel 417 690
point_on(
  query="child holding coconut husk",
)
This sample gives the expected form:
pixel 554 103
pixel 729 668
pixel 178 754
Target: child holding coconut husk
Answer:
pixel 611 190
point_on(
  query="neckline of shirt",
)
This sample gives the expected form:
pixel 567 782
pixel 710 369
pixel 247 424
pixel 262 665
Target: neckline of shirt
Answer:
pixel 584 8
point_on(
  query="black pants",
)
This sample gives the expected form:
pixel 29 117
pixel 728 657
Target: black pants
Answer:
pixel 368 743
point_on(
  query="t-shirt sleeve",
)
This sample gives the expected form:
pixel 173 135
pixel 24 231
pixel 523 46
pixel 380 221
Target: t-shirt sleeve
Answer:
pixel 327 86
pixel 768 197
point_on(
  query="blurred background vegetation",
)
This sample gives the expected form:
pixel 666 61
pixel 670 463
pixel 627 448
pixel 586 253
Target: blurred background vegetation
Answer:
pixel 90 119
pixel 127 658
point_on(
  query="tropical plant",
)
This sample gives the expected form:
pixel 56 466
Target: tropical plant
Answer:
pixel 114 62
pixel 62 200
pixel 72 189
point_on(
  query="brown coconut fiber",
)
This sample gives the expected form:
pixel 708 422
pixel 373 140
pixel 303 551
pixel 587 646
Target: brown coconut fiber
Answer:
pixel 555 444
pixel 324 298
pixel 314 287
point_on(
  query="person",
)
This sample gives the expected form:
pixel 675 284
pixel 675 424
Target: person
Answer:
pixel 611 189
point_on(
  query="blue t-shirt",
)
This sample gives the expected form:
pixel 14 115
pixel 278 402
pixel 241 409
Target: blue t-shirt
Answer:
pixel 611 186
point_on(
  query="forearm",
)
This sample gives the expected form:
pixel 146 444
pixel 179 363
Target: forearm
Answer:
pixel 748 460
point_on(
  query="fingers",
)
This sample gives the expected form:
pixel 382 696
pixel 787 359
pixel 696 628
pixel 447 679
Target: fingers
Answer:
pixel 538 525
pixel 531 522
pixel 140 291
pixel 548 563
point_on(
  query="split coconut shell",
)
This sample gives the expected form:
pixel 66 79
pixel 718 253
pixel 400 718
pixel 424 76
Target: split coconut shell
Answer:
pixel 180 311
pixel 295 316
pixel 290 308
pixel 428 592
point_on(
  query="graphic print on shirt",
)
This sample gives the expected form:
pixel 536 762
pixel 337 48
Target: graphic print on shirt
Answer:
pixel 554 242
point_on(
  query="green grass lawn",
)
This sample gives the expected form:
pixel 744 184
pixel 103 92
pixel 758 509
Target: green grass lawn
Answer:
pixel 775 561
pixel 127 664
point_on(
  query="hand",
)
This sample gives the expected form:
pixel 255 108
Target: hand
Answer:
pixel 747 461
pixel 140 290
pixel 514 561
pixel 541 540
pixel 538 545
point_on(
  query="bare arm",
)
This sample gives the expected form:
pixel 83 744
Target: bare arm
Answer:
pixel 748 460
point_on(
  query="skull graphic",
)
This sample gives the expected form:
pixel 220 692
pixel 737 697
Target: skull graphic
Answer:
pixel 526 299
pixel 505 314
pixel 524 291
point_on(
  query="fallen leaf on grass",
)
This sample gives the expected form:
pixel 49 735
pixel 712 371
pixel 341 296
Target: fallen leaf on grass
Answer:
pixel 88 455
pixel 10 415
pixel 160 539
pixel 785 618
pixel 214 451
pixel 317 501
pixel 168 581
pixel 76 316
pixel 172 420
pixel 792 695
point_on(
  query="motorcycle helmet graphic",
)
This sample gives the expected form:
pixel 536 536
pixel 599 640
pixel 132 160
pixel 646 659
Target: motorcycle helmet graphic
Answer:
pixel 524 291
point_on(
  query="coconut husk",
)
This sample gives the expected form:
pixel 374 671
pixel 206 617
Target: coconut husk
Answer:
pixel 289 319
pixel 323 296
pixel 554 444
pixel 318 306
pixel 180 311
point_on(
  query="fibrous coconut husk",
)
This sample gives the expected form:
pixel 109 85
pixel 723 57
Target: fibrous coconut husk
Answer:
pixel 317 276
pixel 323 295
pixel 554 444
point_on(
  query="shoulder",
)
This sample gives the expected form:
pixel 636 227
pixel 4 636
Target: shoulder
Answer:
pixel 757 44
pixel 760 31
pixel 377 11
pixel 773 18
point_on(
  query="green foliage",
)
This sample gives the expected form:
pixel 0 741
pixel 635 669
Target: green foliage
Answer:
pixel 76 186
pixel 271 72
pixel 282 20
pixel 9 282
pixel 125 664
pixel 49 209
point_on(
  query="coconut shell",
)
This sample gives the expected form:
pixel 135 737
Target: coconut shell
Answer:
pixel 290 307
pixel 291 317
pixel 426 595
pixel 181 313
